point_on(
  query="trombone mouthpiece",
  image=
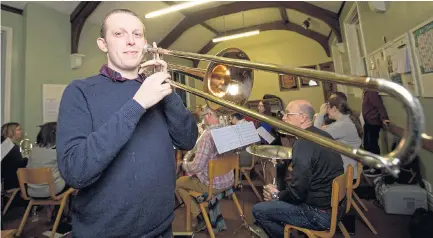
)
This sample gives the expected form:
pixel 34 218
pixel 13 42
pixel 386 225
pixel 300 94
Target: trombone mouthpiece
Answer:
pixel 146 48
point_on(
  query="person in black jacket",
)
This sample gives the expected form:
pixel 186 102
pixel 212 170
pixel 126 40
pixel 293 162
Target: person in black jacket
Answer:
pixel 10 163
pixel 306 202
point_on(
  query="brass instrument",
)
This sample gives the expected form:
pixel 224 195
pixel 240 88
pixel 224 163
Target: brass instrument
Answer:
pixel 216 93
pixel 26 146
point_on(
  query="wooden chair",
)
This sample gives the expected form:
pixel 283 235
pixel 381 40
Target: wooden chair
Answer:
pixel 356 185
pixel 11 193
pixel 8 233
pixel 355 206
pixel 41 176
pixel 217 167
pixel 341 187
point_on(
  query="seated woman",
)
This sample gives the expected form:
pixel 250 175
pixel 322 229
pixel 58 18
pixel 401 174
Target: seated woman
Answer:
pixel 12 159
pixel 346 128
pixel 44 155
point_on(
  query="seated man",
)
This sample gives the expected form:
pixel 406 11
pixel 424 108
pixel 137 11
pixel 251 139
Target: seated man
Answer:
pixel 197 169
pixel 307 200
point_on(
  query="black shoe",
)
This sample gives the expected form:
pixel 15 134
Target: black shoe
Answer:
pixel 201 224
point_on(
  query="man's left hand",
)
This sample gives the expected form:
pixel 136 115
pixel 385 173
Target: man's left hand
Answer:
pixel 155 63
pixel 268 190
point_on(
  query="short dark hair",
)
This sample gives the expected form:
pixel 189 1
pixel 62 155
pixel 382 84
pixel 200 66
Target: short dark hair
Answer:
pixel 238 116
pixel 47 135
pixel 103 30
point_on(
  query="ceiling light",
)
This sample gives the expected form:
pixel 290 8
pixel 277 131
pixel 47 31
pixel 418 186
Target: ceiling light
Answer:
pixel 235 36
pixel 175 8
pixel 312 83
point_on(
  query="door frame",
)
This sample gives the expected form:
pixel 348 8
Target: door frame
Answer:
pixel 8 74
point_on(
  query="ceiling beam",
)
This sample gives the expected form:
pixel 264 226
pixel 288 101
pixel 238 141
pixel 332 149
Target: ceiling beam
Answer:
pixel 278 25
pixel 12 9
pixel 341 9
pixel 199 17
pixel 203 24
pixel 283 14
pixel 77 18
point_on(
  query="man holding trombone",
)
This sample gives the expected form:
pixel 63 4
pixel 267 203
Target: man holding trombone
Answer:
pixel 116 132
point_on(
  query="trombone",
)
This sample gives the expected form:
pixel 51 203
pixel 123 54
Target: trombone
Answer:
pixel 403 154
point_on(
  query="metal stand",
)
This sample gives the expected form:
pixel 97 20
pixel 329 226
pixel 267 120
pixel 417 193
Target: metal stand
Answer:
pixel 244 220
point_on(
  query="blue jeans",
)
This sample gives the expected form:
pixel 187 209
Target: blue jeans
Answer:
pixel 272 216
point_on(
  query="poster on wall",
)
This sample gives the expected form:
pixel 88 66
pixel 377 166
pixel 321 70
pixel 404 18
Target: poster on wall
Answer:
pixel 421 38
pixel 424 45
pixel 288 82
pixel 51 97
pixel 394 61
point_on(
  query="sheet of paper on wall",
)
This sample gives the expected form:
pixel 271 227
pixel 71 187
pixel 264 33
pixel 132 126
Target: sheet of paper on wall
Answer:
pixel 265 135
pixel 232 137
pixel 51 98
pixel 401 60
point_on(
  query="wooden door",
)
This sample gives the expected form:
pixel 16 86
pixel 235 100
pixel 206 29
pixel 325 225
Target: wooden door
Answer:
pixel 328 88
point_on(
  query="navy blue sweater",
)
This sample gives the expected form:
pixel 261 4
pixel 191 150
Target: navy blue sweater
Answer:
pixel 120 157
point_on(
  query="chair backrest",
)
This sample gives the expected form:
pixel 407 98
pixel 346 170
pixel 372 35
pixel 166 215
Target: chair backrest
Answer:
pixel 222 165
pixel 341 188
pixel 35 176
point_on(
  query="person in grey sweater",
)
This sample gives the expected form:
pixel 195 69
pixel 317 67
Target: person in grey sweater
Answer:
pixel 346 128
pixel 44 155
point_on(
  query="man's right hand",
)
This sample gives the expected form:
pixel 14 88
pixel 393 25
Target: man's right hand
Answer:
pixel 153 90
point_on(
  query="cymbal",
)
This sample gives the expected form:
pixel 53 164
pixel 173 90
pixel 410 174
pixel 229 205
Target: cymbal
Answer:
pixel 271 151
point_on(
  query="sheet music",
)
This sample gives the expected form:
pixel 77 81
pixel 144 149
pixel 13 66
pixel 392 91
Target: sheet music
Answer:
pixel 226 139
pixel 265 135
pixel 6 146
pixel 233 137
pixel 247 133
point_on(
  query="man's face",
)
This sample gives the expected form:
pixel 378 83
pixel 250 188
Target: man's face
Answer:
pixel 234 120
pixel 124 41
pixel 293 115
pixel 210 119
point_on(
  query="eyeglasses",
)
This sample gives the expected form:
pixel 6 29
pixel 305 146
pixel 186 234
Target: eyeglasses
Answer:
pixel 292 113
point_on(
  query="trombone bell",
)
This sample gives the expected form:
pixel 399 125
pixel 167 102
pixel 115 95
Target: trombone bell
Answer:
pixel 227 82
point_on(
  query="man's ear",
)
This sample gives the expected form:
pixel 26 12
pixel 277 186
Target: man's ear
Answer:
pixel 102 44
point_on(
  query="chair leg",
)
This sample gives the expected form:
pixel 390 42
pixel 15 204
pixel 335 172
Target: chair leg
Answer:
pixel 9 201
pixel 188 213
pixel 343 230
pixel 24 220
pixel 252 185
pixel 259 174
pixel 359 201
pixel 206 219
pixel 364 218
pixel 59 216
pixel 179 199
pixel 286 232
pixel 238 206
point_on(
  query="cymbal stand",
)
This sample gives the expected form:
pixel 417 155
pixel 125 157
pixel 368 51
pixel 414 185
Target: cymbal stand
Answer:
pixel 244 220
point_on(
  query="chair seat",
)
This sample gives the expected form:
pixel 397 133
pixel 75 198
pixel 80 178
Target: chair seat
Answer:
pixel 8 233
pixel 325 233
